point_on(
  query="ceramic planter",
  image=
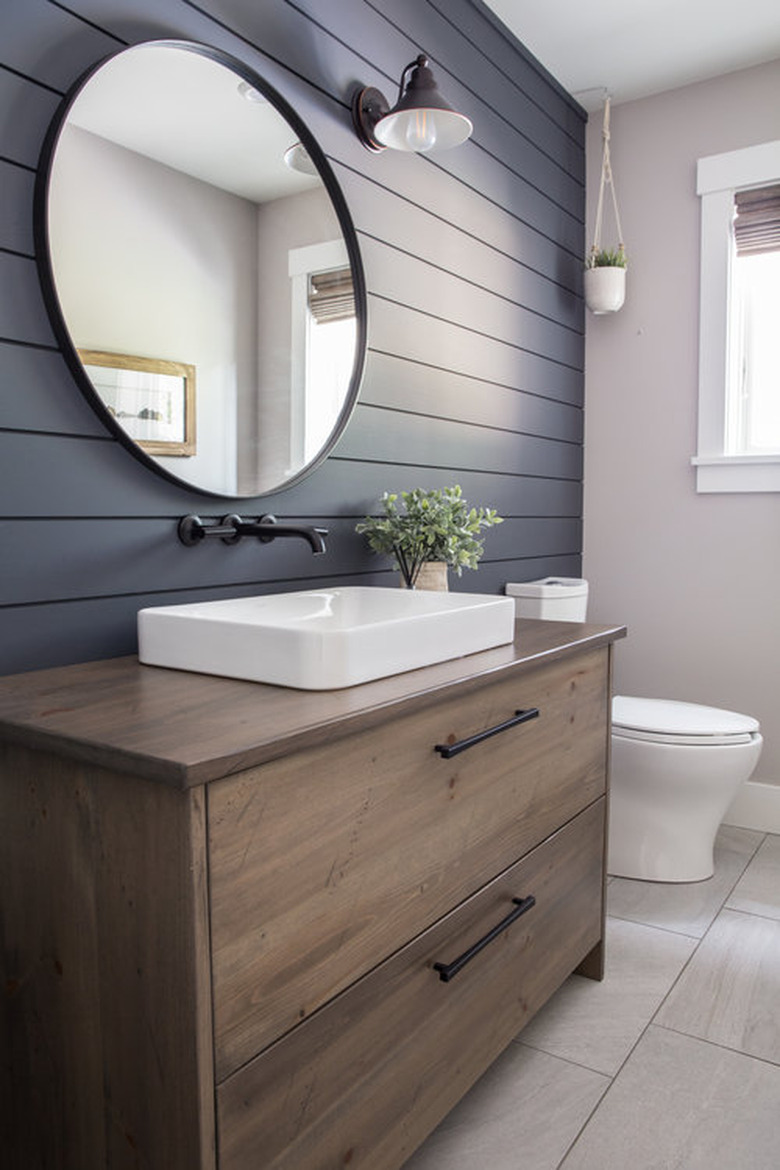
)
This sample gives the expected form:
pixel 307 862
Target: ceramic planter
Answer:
pixel 605 289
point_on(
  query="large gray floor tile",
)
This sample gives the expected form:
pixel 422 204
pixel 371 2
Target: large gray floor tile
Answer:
pixel 597 1024
pixel 524 1112
pixel 730 991
pixel 687 907
pixel 758 890
pixel 681 1104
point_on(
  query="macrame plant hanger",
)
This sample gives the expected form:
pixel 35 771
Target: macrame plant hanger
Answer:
pixel 605 281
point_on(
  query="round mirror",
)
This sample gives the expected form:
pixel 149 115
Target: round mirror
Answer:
pixel 201 269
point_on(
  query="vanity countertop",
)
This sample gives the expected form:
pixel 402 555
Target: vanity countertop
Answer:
pixel 187 729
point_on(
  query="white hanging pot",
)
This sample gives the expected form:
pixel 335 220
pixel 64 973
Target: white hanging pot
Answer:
pixel 605 289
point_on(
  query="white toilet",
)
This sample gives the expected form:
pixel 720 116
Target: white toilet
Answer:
pixel 676 767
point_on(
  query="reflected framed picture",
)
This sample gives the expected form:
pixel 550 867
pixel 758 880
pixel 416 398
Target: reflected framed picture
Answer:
pixel 152 399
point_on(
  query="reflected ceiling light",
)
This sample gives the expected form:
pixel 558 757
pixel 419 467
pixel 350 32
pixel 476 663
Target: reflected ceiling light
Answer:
pixel 420 120
pixel 297 158
pixel 250 94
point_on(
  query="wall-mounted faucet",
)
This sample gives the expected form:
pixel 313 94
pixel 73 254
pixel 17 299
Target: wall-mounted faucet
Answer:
pixel 192 530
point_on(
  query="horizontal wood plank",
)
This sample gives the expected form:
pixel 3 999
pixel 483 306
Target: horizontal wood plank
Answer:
pixel 26 109
pixel 480 26
pixel 391 436
pixel 23 316
pixel 62 46
pixel 15 220
pixel 400 277
pixel 408 333
pixel 414 388
pixel 39 394
pixel 498 253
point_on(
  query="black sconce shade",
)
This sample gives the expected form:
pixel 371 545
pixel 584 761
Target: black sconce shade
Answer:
pixel 421 120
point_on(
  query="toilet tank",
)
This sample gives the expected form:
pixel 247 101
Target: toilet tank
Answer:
pixel 560 599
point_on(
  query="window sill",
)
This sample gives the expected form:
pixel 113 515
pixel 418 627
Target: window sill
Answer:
pixel 737 473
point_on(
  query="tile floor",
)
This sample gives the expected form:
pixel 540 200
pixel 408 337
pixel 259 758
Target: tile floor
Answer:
pixel 671 1063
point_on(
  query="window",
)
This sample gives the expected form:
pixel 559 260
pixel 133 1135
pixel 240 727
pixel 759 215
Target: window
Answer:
pixel 753 390
pixel 739 340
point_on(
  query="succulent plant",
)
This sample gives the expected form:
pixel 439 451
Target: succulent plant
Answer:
pixel 607 258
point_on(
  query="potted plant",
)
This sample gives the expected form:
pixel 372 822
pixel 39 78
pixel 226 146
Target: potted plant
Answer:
pixel 428 526
pixel 605 279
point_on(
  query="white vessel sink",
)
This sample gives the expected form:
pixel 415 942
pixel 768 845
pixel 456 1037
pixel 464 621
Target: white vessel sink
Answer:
pixel 321 639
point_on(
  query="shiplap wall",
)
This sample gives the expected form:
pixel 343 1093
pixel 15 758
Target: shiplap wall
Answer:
pixel 474 369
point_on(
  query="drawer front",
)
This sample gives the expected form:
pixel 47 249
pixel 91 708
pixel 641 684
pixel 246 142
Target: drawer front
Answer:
pixel 366 1079
pixel 326 862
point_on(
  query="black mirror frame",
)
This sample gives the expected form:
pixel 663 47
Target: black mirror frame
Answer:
pixel 51 297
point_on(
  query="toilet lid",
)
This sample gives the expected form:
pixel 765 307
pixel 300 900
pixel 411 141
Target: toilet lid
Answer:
pixel 669 721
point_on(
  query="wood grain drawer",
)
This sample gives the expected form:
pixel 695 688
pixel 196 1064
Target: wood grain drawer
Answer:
pixel 363 1081
pixel 324 863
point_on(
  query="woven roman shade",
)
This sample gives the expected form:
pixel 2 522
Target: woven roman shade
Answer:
pixel 331 295
pixel 757 222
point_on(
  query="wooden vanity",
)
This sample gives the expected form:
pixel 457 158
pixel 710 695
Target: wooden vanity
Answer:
pixel 250 927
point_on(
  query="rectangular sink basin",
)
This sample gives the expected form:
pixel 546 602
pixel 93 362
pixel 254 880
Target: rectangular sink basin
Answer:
pixel 322 639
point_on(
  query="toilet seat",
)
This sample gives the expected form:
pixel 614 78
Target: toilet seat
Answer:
pixel 673 722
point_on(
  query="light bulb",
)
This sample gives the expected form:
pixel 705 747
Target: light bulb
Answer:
pixel 421 131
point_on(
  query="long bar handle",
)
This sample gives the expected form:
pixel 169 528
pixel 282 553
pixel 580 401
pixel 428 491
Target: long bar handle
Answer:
pixel 448 971
pixel 448 750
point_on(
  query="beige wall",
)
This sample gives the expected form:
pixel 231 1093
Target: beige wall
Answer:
pixel 695 577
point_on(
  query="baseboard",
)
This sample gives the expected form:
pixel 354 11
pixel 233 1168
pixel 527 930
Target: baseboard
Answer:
pixel 756 806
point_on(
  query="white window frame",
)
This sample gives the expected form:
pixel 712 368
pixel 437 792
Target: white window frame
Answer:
pixel 718 177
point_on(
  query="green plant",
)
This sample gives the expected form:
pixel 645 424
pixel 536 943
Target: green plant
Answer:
pixel 435 525
pixel 607 258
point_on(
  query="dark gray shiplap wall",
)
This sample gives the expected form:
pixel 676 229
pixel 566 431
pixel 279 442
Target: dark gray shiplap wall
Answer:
pixel 474 369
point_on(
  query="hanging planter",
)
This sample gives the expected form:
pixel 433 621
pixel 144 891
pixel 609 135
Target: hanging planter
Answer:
pixel 605 269
pixel 605 281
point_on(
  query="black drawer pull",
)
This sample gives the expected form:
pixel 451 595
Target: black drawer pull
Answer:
pixel 448 750
pixel 448 971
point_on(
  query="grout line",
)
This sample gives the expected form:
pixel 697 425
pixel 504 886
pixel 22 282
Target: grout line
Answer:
pixel 750 913
pixel 721 1047
pixel 657 926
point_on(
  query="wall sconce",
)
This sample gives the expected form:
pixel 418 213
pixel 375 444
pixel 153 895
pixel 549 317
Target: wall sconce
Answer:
pixel 420 120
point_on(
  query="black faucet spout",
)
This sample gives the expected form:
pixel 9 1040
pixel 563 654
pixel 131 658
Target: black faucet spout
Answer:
pixel 267 528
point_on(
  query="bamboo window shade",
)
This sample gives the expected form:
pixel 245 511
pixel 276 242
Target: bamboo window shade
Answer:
pixel 757 221
pixel 331 295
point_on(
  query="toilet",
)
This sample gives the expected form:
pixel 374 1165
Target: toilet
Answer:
pixel 676 767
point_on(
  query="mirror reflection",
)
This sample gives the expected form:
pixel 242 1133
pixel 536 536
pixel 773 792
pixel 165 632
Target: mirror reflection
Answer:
pixel 204 275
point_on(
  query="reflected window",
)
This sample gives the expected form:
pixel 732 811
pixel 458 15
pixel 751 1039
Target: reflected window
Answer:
pixel 324 335
pixel 330 344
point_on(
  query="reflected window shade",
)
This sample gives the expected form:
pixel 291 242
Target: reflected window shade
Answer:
pixel 757 222
pixel 331 295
